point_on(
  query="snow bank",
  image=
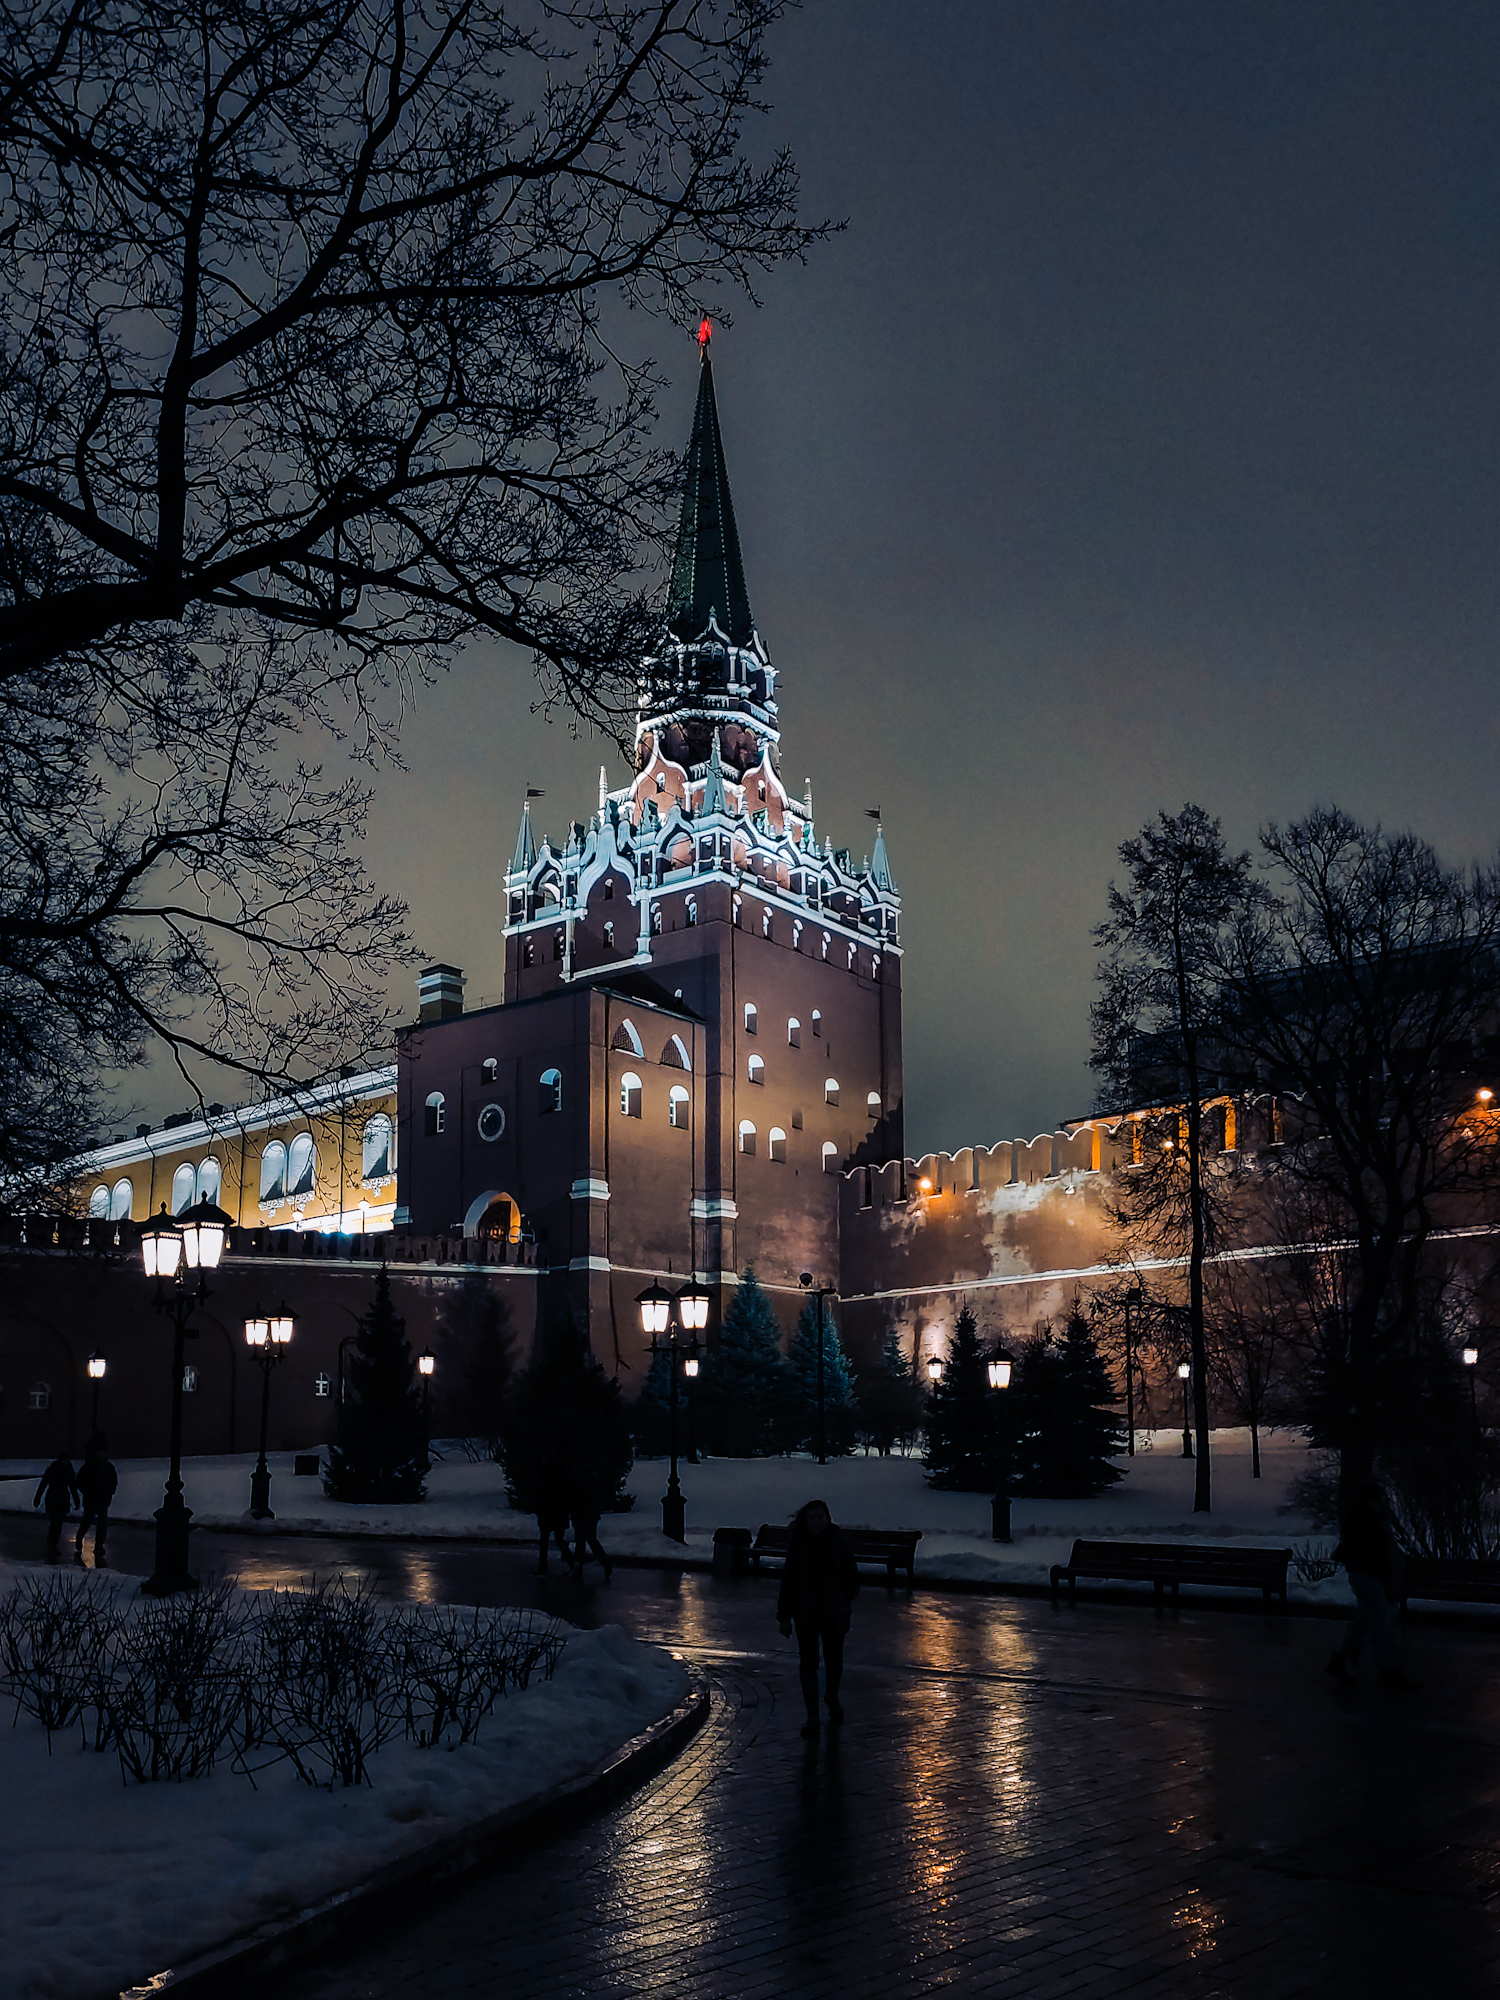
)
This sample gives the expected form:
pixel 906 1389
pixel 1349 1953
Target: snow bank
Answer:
pixel 105 1884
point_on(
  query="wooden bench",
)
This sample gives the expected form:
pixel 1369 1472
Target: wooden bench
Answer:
pixel 1459 1580
pixel 892 1548
pixel 1166 1565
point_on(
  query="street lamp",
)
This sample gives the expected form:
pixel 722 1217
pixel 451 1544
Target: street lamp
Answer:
pixel 1185 1375
pixel 1001 1362
pixel 819 1292
pixel 168 1252
pixel 1135 1297
pixel 658 1319
pixel 934 1368
pixel 1471 1363
pixel 425 1364
pixel 96 1366
pixel 268 1341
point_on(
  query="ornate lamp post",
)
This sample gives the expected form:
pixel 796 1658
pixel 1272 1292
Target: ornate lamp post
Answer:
pixel 96 1365
pixel 1001 1363
pixel 268 1340
pixel 426 1362
pixel 169 1250
pixel 658 1319
pixel 819 1292
pixel 1185 1375
pixel 934 1368
pixel 1135 1298
pixel 1471 1364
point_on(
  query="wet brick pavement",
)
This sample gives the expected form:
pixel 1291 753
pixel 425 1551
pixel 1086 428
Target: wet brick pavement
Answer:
pixel 1024 1801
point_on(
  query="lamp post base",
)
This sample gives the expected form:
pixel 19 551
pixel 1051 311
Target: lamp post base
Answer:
pixel 173 1522
pixel 260 1494
pixel 1000 1517
pixel 674 1514
pixel 1187 1444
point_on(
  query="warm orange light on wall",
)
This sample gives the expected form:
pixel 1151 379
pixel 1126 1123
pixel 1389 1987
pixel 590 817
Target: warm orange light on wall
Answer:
pixel 925 1185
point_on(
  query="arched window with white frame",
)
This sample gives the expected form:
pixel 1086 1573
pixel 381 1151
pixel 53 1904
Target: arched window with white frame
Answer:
pixel 675 1055
pixel 549 1091
pixel 691 912
pixel 121 1201
pixel 184 1189
pixel 627 1037
pixel 872 1104
pixel 489 1071
pixel 830 1157
pixel 827 945
pixel 817 1023
pixel 752 1018
pixel 437 1114
pixel 793 1032
pixel 273 1173
pixel 99 1205
pixel 630 1095
pixel 776 1144
pixel 765 923
pixel 830 1090
pixel 375 1149
pixel 210 1179
pixel 679 1107
pixel 301 1166
pixel 755 1069
pixel 747 1136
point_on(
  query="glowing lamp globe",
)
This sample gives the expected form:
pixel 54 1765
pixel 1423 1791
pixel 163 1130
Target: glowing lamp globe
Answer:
pixel 161 1246
pixel 1471 1357
pixel 934 1367
pixel 257 1332
pixel 204 1227
pixel 96 1367
pixel 1000 1367
pixel 690 1367
pixel 1184 1369
pixel 692 1306
pixel 656 1309
pixel 281 1325
pixel 425 1364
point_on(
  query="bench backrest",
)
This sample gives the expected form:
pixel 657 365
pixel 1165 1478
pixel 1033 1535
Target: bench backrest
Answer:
pixel 1182 1555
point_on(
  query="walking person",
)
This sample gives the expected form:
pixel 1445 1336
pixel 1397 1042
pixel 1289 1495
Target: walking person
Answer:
pixel 1371 1556
pixel 585 1516
pixel 551 1519
pixel 58 1488
pixel 97 1480
pixel 819 1581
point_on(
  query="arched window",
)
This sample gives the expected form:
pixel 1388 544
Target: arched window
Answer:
pixel 692 912
pixel 755 1068
pixel 793 1032
pixel 675 1054
pixel 184 1189
pixel 99 1204
pixel 489 1071
pixel 301 1165
pixel 40 1395
pixel 796 1121
pixel 630 1095
pixel 875 967
pixel 817 1022
pixel 872 1104
pixel 609 888
pixel 765 923
pixel 557 947
pixel 678 1106
pixel 550 1091
pixel 656 920
pixel 627 1038
pixel 776 1143
pixel 210 1179
pixel 436 1115
pixel 528 951
pixel 377 1148
pixel 609 937
pixel 121 1201
pixel 747 1136
pixel 827 943
pixel 853 956
pixel 739 911
pixel 752 1018
pixel 830 1090
pixel 830 1157
pixel 273 1173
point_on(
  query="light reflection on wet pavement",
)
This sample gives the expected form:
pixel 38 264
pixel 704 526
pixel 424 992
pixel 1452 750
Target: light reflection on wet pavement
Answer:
pixel 1087 1800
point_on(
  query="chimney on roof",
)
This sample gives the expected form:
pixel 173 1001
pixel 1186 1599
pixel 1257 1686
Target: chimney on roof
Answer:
pixel 440 989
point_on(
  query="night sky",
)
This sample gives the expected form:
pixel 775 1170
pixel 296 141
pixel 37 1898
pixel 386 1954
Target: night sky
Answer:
pixel 1137 442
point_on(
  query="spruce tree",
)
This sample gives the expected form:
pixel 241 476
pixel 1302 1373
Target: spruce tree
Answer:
pixel 960 1438
pixel 476 1328
pixel 1061 1438
pixel 381 1453
pixel 746 1388
pixel 565 1444
pixel 838 1383
pixel 1093 1434
pixel 889 1399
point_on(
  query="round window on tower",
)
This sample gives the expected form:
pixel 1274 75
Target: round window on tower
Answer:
pixel 491 1123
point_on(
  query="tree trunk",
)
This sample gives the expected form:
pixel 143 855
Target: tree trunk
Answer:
pixel 1254 1449
pixel 1202 1500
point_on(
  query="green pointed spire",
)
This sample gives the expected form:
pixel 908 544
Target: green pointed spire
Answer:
pixel 714 799
pixel 525 855
pixel 880 864
pixel 707 573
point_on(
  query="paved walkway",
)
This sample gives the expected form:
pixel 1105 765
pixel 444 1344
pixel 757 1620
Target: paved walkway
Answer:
pixel 1024 1801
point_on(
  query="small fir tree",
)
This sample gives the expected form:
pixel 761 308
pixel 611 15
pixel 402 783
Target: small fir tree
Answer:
pixel 890 1402
pixel 565 1444
pixel 746 1390
pixel 381 1453
pixel 838 1383
pixel 1061 1437
pixel 960 1437
pixel 476 1329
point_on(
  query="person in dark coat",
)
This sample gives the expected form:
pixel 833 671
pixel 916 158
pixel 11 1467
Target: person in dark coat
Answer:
pixel 585 1513
pixel 97 1480
pixel 551 1519
pixel 819 1581
pixel 1371 1556
pixel 58 1488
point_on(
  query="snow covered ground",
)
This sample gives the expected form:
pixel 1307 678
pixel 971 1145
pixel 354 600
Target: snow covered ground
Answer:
pixel 104 1884
pixel 1154 1499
